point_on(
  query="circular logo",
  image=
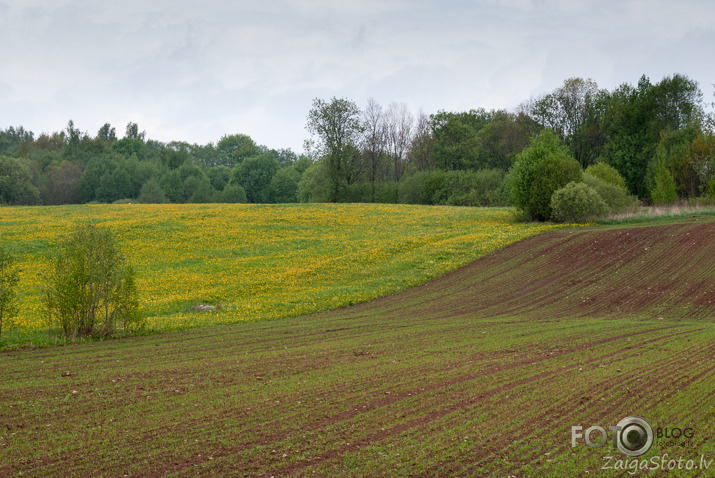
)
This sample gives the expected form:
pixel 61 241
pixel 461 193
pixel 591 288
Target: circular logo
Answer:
pixel 634 436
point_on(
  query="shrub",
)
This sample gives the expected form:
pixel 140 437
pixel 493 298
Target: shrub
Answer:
pixel 9 278
pixel 91 289
pixel 314 185
pixel 232 193
pixel 664 191
pixel 151 193
pixel 283 187
pixel 577 202
pixel 472 188
pixel 550 175
pixel 615 197
pixel 606 173
pixel 539 170
pixel 16 186
pixel 420 187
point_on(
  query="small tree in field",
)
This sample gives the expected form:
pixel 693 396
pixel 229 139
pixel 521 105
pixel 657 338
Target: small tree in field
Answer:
pixel 91 289
pixel 9 277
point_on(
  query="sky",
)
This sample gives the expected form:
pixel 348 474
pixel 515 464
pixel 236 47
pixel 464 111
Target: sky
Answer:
pixel 195 71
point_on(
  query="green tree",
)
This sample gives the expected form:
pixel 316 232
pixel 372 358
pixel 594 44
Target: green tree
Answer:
pixel 151 193
pixel 606 173
pixel 283 187
pixel 538 171
pixel 232 193
pixel 107 134
pixel 338 128
pixel 16 186
pixel 198 189
pixel 456 141
pixel 13 140
pixel 235 148
pixel 61 184
pixel 91 289
pixel 664 190
pixel 219 176
pixel 254 174
pixel 9 278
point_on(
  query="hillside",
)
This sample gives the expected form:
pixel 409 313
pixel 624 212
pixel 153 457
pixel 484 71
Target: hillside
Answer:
pixel 663 270
pixel 481 372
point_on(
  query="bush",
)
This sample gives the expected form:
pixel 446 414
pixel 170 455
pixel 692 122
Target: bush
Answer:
pixel 615 197
pixel 539 170
pixel 472 188
pixel 577 202
pixel 664 191
pixel 550 175
pixel 9 278
pixel 151 193
pixel 232 193
pixel 16 186
pixel 283 187
pixel 91 289
pixel 420 187
pixel 606 173
pixel 314 185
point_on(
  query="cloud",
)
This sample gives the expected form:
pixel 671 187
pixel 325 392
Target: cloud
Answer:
pixel 195 71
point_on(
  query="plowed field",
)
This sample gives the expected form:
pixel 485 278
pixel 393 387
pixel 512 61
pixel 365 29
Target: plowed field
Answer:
pixel 481 372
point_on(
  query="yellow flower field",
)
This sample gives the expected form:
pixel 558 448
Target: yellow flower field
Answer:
pixel 260 261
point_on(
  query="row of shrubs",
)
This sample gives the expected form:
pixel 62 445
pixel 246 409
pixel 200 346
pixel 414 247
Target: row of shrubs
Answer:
pixel 455 188
pixel 547 183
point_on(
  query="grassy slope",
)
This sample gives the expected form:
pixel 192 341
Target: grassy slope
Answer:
pixel 482 371
pixel 258 261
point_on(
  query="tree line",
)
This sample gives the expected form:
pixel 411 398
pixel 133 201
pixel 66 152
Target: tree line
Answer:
pixel 657 136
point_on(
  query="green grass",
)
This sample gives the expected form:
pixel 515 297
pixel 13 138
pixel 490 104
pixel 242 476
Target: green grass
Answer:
pixel 256 262
pixel 482 372
pixel 654 214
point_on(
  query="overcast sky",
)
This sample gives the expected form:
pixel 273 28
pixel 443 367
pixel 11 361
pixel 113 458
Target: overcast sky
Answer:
pixel 197 70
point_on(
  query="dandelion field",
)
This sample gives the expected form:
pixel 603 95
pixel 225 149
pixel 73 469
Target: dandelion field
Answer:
pixel 255 262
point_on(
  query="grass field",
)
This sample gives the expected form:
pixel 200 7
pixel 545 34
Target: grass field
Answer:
pixel 481 372
pixel 258 262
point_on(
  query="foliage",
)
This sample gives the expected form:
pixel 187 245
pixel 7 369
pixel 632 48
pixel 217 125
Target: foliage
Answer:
pixel 91 289
pixel 254 174
pixel 538 171
pixel 151 193
pixel 616 197
pixel 606 173
pixel 663 191
pixel 421 187
pixel 16 186
pixel 232 193
pixel 634 119
pixel 472 188
pixel 577 202
pixel 383 148
pixel 456 142
pixel 283 187
pixel 9 278
pixel 314 185
pixel 338 128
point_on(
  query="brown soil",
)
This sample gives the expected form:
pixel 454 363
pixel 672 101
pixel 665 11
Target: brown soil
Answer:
pixel 482 371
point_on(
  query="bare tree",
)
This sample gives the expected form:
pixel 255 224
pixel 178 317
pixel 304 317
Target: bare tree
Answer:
pixel 374 139
pixel 421 147
pixel 399 121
